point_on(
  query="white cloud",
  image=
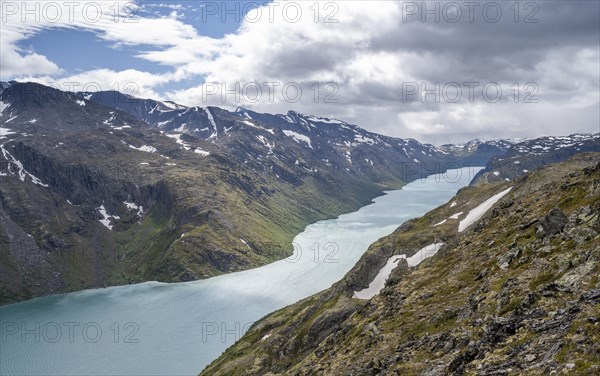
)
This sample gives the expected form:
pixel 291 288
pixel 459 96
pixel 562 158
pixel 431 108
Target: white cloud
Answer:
pixel 369 53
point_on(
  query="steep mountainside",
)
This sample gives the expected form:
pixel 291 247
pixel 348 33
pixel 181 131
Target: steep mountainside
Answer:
pixel 91 196
pixel 514 289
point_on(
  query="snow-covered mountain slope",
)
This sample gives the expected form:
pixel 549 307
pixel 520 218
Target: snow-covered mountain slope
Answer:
pixel 303 142
pixel 530 154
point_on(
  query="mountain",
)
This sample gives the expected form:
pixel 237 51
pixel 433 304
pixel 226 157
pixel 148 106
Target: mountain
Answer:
pixel 299 140
pixel 531 154
pixel 27 103
pixel 505 282
pixel 478 152
pixel 97 193
pixel 104 188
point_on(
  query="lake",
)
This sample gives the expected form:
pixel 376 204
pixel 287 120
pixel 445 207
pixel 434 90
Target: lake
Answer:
pixel 177 329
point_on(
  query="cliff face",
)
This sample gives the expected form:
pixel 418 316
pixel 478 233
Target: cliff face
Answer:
pixel 517 292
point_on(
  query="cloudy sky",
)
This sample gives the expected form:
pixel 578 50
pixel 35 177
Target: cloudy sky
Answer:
pixel 436 71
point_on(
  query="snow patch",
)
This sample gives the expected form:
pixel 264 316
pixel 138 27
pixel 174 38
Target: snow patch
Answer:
pixel 133 206
pixel 298 137
pixel 110 119
pixel 177 138
pixel 363 140
pixel 3 106
pixel 264 141
pixel 348 156
pixel 440 223
pixel 22 173
pixel 258 127
pixel 211 119
pixel 328 121
pixel 5 132
pixel 106 220
pixel 423 254
pixel 80 102
pixel 146 148
pixel 478 212
pixel 378 282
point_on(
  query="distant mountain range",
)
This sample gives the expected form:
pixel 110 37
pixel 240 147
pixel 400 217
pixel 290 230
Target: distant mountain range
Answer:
pixel 531 154
pixel 104 188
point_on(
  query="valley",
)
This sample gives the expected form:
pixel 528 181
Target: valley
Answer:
pixel 132 190
pixel 179 328
pixel 93 196
pixel 299 188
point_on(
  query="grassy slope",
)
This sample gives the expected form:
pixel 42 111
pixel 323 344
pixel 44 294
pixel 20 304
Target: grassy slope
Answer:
pixel 460 311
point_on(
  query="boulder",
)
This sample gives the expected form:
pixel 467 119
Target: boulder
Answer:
pixel 551 224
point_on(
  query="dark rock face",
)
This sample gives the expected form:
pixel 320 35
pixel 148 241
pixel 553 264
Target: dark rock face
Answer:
pixel 458 363
pixel 551 224
pixel 325 324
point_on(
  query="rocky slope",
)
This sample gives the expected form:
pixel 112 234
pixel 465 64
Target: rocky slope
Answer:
pixel 514 292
